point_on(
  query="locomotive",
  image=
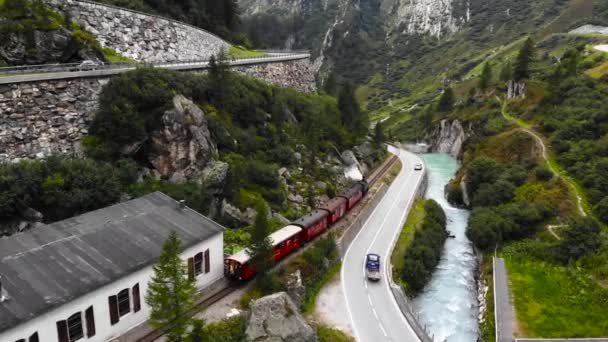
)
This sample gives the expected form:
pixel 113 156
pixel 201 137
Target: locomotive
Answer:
pixel 299 232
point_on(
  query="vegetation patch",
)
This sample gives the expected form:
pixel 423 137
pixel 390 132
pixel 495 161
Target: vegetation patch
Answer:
pixel 556 301
pixel 328 334
pixel 425 249
pixel 241 52
pixel 412 224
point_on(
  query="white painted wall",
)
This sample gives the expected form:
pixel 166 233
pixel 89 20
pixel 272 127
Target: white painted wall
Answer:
pixel 45 324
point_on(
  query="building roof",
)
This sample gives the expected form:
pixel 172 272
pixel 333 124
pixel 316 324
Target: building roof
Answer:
pixel 56 263
pixel 310 219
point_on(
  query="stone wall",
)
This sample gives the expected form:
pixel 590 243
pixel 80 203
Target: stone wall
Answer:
pixel 140 36
pixel 39 119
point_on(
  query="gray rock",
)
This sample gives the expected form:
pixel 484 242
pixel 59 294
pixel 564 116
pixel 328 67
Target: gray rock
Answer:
pixel 214 175
pixel 450 139
pixel 275 318
pixel 349 158
pixel 234 217
pixel 321 185
pixel 297 156
pixel 295 198
pixel 184 142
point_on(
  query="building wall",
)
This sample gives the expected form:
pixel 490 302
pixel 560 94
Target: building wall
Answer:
pixel 45 324
pixel 140 36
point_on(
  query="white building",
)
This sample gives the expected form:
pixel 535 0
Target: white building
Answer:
pixel 85 278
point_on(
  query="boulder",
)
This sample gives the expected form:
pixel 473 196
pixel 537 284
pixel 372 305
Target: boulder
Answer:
pixel 349 158
pixel 234 217
pixel 183 145
pixel 275 318
pixel 214 175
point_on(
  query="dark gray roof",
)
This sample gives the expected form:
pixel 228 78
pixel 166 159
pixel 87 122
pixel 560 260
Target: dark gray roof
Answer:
pixel 56 263
pixel 311 218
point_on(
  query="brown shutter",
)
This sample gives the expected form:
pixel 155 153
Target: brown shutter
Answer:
pixel 90 317
pixel 207 263
pixel 136 300
pixel 113 303
pixel 62 331
pixel 34 337
pixel 191 268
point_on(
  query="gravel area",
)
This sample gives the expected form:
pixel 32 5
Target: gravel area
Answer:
pixel 330 308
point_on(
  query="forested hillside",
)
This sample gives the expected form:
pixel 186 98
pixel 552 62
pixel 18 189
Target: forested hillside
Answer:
pixel 544 211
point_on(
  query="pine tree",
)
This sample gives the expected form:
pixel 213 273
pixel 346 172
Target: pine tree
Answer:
pixel 486 76
pixel 524 58
pixel 446 101
pixel 231 14
pixel 506 72
pixel 261 250
pixel 170 292
pixel 330 85
pixel 352 116
pixel 379 136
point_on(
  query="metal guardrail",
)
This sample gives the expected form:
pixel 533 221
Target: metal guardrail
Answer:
pixel 73 67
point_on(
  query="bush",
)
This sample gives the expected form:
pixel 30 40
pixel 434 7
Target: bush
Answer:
pixel 424 252
pixel 543 174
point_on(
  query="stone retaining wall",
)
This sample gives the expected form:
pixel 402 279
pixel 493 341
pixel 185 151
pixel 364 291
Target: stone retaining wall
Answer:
pixel 141 36
pixel 38 119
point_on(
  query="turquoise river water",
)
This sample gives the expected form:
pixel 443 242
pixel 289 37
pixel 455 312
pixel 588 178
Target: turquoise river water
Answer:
pixel 448 305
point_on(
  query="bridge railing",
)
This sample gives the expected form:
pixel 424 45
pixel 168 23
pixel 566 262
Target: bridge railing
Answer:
pixel 72 67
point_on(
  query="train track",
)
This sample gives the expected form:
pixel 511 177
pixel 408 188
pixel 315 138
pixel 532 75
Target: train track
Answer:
pixel 230 288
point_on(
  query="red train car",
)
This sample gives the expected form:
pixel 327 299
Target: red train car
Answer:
pixel 312 224
pixel 284 241
pixel 336 207
pixel 352 195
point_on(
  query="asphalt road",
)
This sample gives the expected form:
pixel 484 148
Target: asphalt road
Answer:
pixel 372 308
pixel 505 315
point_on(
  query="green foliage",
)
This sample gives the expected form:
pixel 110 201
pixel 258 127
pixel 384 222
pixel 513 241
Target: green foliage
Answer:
pixel 327 334
pixel 59 188
pixel 523 61
pixel 486 76
pixel 446 100
pixel 261 250
pixel 28 16
pixel 227 330
pixel 424 252
pixel 555 301
pixel 506 72
pixel 353 116
pixel 170 292
pixel 582 237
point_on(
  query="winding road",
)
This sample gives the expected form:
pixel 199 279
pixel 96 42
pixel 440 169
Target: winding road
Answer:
pixel 373 309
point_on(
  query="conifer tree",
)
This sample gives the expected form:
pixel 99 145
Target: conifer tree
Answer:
pixel 506 72
pixel 261 250
pixel 352 115
pixel 379 136
pixel 486 76
pixel 170 292
pixel 524 58
pixel 446 101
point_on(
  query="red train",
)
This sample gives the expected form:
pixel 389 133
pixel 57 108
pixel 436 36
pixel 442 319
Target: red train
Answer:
pixel 299 232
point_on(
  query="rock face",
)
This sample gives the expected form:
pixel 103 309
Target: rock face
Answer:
pixel 516 90
pixel 44 118
pixel 435 17
pixel 234 217
pixel 38 119
pixel 296 74
pixel 183 147
pixel 450 138
pixel 143 37
pixel 44 47
pixel 275 318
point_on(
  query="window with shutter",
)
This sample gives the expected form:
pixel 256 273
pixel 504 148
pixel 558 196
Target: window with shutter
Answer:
pixel 34 337
pixel 124 302
pixel 191 268
pixel 75 331
pixel 136 299
pixel 113 304
pixel 198 264
pixel 90 318
pixel 207 262
pixel 62 331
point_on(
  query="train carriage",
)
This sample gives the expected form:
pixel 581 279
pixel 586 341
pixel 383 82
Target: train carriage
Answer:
pixel 352 195
pixel 312 224
pixel 284 241
pixel 336 208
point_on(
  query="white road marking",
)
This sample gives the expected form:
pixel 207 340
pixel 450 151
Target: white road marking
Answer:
pixel 383 331
pixel 369 299
pixel 375 313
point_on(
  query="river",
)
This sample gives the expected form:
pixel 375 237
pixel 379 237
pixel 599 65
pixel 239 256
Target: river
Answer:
pixel 448 304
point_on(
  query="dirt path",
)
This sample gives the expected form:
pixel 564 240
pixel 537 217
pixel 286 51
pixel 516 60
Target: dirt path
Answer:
pixel 525 127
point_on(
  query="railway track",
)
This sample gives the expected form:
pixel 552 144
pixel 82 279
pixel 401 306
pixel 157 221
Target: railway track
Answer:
pixel 230 288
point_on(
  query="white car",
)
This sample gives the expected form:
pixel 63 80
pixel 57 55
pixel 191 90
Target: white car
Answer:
pixel 417 167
